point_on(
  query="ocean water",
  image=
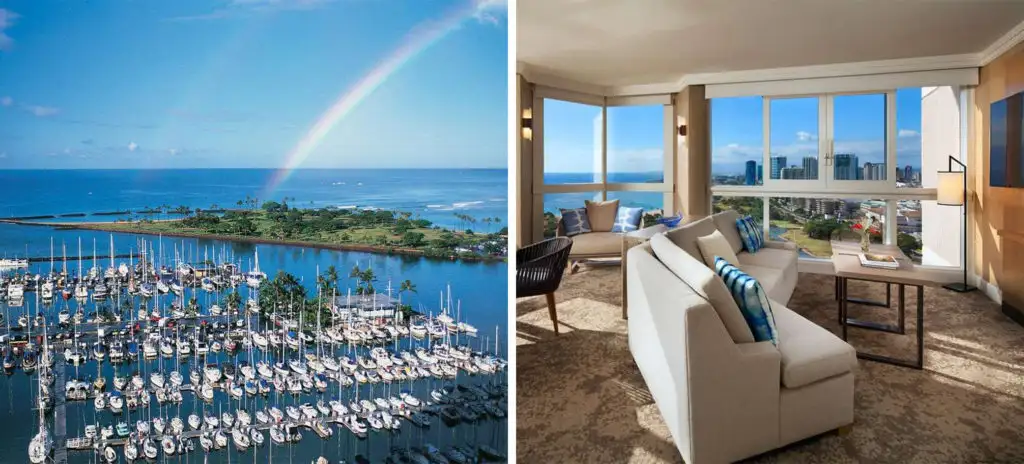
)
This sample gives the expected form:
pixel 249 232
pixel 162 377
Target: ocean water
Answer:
pixel 433 194
pixel 478 288
pixel 553 202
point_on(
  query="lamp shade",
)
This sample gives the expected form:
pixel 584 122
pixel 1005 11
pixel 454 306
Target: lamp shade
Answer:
pixel 951 188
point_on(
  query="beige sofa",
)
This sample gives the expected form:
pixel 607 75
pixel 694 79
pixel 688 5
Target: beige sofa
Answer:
pixel 725 400
pixel 605 244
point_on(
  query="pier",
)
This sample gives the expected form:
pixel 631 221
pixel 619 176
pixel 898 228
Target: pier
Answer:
pixel 60 425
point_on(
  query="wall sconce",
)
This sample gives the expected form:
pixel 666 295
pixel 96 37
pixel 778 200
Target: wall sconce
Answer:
pixel 527 123
pixel 682 130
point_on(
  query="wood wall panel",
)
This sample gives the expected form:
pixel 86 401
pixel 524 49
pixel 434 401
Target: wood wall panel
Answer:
pixel 997 222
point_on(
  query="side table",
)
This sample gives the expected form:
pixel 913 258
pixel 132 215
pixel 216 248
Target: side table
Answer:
pixel 630 240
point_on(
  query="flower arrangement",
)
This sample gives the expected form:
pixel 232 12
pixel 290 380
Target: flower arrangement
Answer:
pixel 865 228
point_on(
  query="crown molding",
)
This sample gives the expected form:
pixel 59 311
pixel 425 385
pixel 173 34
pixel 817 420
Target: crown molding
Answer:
pixel 863 68
pixel 1002 45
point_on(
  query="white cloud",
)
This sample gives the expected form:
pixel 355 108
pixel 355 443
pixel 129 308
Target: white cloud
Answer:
pixel 3 154
pixel 487 11
pixel 172 151
pixel 67 151
pixel 908 133
pixel 132 146
pixel 41 111
pixel 6 101
pixel 805 136
pixel 7 18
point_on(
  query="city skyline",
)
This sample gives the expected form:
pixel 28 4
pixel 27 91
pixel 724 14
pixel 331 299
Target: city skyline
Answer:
pixel 252 84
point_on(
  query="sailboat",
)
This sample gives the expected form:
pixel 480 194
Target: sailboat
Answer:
pixel 255 277
pixel 41 446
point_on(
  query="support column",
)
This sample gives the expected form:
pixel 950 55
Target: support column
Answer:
pixel 692 189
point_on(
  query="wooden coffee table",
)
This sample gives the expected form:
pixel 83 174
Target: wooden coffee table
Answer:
pixel 847 266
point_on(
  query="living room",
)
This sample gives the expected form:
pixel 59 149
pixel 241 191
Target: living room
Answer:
pixel 655 138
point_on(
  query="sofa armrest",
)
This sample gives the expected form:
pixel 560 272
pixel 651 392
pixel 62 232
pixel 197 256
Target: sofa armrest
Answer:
pixel 706 386
pixel 780 245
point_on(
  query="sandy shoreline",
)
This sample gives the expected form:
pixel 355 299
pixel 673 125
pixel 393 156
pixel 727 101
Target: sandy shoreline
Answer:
pixel 106 227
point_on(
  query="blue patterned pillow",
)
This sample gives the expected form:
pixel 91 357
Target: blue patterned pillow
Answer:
pixel 627 219
pixel 751 233
pixel 751 299
pixel 575 221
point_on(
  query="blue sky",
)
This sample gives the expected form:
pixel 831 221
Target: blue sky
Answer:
pixel 239 83
pixel 635 141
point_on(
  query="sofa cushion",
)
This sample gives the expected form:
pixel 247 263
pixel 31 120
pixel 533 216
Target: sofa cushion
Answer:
pixel 726 224
pixel 809 352
pixel 602 214
pixel 596 243
pixel 775 258
pixel 715 245
pixel 751 234
pixel 575 221
pixel 685 236
pixel 768 277
pixel 627 219
pixel 751 299
pixel 705 283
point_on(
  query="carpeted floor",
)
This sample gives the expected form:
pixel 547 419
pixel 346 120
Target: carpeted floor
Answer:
pixel 582 399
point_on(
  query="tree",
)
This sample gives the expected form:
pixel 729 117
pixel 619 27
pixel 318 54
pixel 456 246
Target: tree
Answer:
pixel 412 239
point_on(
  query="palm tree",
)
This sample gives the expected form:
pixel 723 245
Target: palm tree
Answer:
pixel 406 286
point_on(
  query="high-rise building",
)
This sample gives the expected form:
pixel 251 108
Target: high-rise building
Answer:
pixel 908 173
pixel 778 162
pixel 846 167
pixel 793 172
pixel 810 167
pixel 760 174
pixel 868 173
pixel 878 171
pixel 751 173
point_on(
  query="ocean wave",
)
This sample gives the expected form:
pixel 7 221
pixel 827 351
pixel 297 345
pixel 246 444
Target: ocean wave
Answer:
pixel 436 206
pixel 337 183
pixel 346 207
pixel 498 199
pixel 466 204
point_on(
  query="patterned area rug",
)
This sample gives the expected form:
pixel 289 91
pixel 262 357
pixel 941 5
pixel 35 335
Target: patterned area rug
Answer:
pixel 582 399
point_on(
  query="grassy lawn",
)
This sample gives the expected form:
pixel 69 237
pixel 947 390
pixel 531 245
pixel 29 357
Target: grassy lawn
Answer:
pixel 795 233
pixel 316 227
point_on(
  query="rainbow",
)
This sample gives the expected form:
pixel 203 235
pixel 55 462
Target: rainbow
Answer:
pixel 422 37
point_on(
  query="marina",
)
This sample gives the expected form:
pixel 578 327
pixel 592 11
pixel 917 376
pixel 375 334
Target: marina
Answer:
pixel 193 350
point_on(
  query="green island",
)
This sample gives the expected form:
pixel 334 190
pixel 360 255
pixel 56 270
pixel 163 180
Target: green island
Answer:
pixel 380 231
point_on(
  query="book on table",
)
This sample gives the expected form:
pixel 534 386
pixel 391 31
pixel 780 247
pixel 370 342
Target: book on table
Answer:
pixel 879 261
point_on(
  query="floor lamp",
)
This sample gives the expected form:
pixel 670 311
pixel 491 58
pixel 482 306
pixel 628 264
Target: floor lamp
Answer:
pixel 952 191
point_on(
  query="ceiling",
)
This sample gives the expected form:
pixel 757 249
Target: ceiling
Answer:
pixel 639 42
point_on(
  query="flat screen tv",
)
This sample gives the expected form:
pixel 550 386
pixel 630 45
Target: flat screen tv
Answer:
pixel 1006 138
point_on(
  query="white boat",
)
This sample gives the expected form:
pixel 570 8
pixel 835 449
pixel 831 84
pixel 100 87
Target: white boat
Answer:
pixel 206 391
pixel 206 442
pixel 168 446
pixel 293 412
pixel 220 439
pixel 276 435
pixel 308 411
pixel 243 418
pixel 240 439
pixel 100 402
pixel 177 425
pixel 176 378
pixel 131 453
pixel 41 446
pixel 262 417
pixel 13 263
pixel 264 370
pixel 149 449
pixel 116 403
pixel 157 379
pixel 276 414
pixel 194 421
pixel 109 455
pixel 212 374
pixel 212 422
pixel 158 426
pixel 227 419
pixel 259 340
pixel 298 366
pixel 142 426
pixel 256 436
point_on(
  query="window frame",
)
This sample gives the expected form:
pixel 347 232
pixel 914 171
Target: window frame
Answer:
pixel 665 187
pixel 870 190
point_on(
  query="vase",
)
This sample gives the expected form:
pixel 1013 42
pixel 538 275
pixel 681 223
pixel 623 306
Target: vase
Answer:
pixel 865 243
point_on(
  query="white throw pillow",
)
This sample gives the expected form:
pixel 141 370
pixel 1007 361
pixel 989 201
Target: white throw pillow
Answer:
pixel 705 283
pixel 716 245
